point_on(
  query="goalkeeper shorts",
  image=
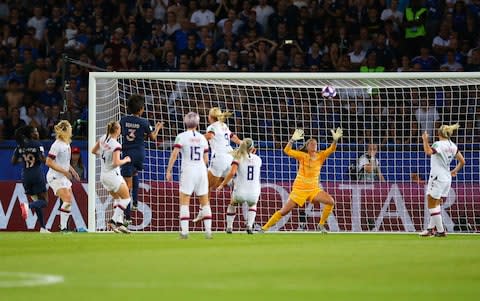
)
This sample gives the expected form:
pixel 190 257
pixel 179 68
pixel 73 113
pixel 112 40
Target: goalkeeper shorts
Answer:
pixel 300 196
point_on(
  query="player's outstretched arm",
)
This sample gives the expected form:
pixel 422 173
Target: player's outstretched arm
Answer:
pixel 171 161
pixel 229 177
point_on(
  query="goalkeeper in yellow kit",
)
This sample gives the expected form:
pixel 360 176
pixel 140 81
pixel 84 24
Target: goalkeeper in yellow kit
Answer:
pixel 305 187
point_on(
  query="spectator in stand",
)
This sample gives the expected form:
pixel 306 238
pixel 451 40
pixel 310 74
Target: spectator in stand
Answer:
pixel 368 166
pixel 38 77
pixel 415 17
pixel 405 65
pixel 370 64
pixel 13 123
pixel 357 55
pixel 39 22
pixel 427 116
pixel 76 162
pixel 203 17
pixel 441 43
pixel 14 96
pixel 425 60
pixel 474 64
pixel 451 64
pixel 235 23
pixel 263 12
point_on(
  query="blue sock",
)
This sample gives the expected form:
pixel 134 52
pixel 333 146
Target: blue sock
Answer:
pixel 127 212
pixel 135 190
pixel 38 207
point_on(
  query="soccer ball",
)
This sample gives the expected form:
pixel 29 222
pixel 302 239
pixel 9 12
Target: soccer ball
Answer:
pixel 329 92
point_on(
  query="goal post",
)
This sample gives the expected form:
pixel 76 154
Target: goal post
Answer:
pixel 390 110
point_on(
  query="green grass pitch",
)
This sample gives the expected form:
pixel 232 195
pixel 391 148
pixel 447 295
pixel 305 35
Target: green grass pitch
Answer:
pixel 242 267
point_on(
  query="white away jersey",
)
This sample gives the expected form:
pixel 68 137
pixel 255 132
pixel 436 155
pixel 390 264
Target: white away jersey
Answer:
pixel 248 174
pixel 444 153
pixel 60 153
pixel 192 146
pixel 220 143
pixel 107 147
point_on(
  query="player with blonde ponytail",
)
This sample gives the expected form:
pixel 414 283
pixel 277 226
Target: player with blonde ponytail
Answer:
pixel 60 171
pixel 246 188
pixel 219 136
pixel 109 149
pixel 441 153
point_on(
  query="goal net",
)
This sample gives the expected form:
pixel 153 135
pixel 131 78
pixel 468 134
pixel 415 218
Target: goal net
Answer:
pixel 389 110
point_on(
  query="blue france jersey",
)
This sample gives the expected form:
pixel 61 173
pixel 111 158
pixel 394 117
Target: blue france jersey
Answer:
pixel 31 154
pixel 134 129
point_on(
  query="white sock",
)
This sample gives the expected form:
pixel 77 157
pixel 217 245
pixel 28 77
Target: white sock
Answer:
pixel 436 216
pixel 184 217
pixel 118 215
pixel 207 218
pixel 252 212
pixel 230 216
pixel 64 214
pixel 431 222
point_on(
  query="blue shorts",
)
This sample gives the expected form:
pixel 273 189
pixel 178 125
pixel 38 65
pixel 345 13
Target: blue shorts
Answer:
pixel 137 157
pixel 34 184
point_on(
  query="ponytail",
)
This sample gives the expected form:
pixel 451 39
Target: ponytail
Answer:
pixel 111 127
pixel 217 113
pixel 243 150
pixel 446 131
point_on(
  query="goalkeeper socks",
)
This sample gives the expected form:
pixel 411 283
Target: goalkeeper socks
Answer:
pixel 135 190
pixel 252 212
pixel 207 218
pixel 64 215
pixel 436 216
pixel 327 209
pixel 184 217
pixel 272 221
pixel 230 216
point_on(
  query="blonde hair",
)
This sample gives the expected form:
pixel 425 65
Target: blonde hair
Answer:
pixel 447 130
pixel 304 146
pixel 61 131
pixel 217 113
pixel 243 150
pixel 111 127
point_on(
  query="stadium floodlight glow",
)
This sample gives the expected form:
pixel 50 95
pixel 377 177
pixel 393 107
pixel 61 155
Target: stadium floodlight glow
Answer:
pixel 388 109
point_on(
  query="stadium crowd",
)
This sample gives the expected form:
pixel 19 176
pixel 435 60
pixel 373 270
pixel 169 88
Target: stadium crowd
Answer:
pixel 39 40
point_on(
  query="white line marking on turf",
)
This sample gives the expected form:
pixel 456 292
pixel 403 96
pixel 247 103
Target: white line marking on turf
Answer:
pixel 19 279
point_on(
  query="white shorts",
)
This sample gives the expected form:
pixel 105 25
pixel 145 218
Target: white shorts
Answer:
pixel 57 183
pixel 249 197
pixel 194 180
pixel 111 180
pixel 438 189
pixel 220 164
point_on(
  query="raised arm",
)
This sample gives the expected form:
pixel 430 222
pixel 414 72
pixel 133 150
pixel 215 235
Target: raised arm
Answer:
pixel 297 135
pixel 154 134
pixel 96 148
pixel 426 146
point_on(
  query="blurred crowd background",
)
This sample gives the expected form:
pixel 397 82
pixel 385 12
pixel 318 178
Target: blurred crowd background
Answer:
pixel 48 47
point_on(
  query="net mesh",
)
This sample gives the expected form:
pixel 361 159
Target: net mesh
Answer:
pixel 391 113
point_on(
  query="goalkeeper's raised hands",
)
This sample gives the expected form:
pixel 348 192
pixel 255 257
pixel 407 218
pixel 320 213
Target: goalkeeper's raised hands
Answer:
pixel 297 135
pixel 337 134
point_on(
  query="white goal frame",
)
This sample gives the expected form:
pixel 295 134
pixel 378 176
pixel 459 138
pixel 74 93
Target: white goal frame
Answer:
pixel 324 78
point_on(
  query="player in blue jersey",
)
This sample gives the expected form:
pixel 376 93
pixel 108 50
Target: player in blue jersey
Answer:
pixel 134 130
pixel 31 153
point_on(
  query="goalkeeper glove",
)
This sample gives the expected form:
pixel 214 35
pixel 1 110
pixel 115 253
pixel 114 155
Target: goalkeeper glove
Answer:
pixel 297 135
pixel 337 134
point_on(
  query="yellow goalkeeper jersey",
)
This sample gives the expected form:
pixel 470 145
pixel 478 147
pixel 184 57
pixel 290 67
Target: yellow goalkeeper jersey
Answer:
pixel 309 167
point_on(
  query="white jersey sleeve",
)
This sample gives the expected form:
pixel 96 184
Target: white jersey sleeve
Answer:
pixel 192 146
pixel 60 153
pixel 444 152
pixel 248 174
pixel 107 147
pixel 220 143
